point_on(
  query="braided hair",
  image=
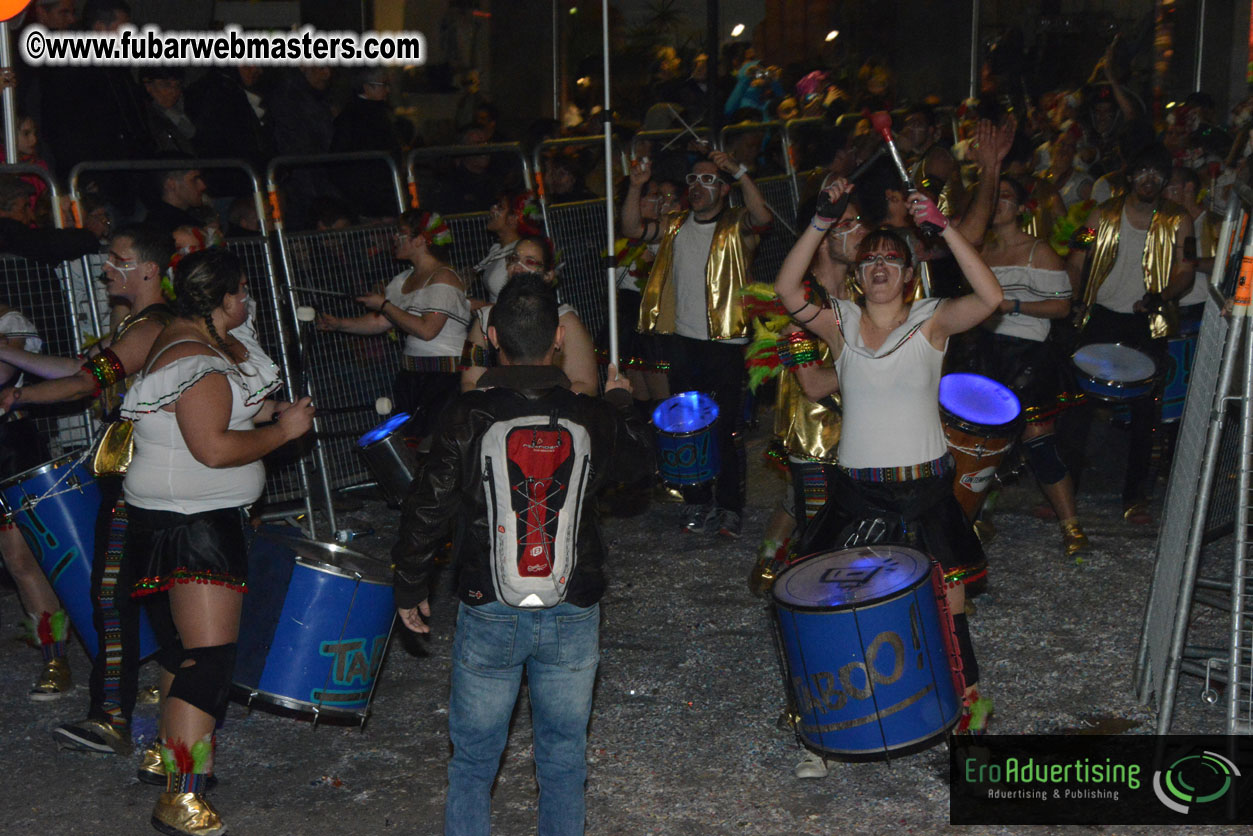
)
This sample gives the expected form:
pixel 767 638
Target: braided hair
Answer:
pixel 201 280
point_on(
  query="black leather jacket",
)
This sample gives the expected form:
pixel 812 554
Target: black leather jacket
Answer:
pixel 449 489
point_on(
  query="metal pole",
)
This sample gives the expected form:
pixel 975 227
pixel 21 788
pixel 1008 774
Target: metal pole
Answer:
pixel 974 49
pixel 556 62
pixel 9 101
pixel 610 263
pixel 1200 46
pixel 713 102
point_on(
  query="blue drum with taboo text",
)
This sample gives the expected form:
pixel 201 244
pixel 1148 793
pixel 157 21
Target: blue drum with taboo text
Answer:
pixel 866 651
pixel 687 442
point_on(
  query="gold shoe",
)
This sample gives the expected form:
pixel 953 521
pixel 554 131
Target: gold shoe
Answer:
pixel 151 770
pixel 54 681
pixel 1073 539
pixel 985 531
pixel 1137 513
pixel 179 813
pixel 761 578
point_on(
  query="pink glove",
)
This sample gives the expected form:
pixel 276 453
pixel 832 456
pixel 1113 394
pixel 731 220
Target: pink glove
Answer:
pixel 926 214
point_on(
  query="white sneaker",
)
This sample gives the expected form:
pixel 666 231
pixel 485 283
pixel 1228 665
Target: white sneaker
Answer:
pixel 811 766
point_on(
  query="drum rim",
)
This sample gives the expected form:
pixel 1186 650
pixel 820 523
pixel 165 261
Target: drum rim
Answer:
pixel 912 747
pixel 390 435
pixel 1009 428
pixel 908 590
pixel 39 470
pixel 303 705
pixel 322 566
pixel 686 433
pixel 1115 383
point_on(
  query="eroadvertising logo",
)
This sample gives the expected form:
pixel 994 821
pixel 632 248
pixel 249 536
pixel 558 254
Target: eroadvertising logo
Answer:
pixel 1101 779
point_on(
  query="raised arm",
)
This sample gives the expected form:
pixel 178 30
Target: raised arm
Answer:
pixel 953 316
pixel 989 147
pixel 789 282
pixel 758 212
pixel 632 223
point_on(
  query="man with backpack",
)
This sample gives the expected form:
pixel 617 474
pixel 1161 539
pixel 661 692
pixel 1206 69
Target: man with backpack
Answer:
pixel 516 464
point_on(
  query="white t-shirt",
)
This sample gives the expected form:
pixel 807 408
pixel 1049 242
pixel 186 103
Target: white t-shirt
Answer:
pixel 1025 283
pixel 164 475
pixel 891 396
pixel 494 270
pixel 1124 286
pixel 437 297
pixel 691 256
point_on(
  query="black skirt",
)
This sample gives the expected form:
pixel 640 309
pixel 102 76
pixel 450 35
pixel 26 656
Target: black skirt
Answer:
pixel 921 513
pixel 166 548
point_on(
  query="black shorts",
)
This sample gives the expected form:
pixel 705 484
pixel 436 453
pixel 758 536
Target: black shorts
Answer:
pixel 166 548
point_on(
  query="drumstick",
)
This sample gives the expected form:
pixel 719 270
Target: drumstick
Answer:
pixel 687 128
pixel 332 293
pixel 881 121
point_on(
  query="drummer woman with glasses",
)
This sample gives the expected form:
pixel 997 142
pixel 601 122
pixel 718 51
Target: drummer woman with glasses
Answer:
pixel 1013 347
pixel 427 303
pixel 576 356
pixel 202 423
pixel 894 480
pixel 23 448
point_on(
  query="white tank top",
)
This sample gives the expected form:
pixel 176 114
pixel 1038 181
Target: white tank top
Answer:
pixel 1124 286
pixel 891 396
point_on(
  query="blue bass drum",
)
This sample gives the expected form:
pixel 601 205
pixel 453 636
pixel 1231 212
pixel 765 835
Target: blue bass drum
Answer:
pixel 55 506
pixel 687 446
pixel 314 626
pixel 1114 372
pixel 866 652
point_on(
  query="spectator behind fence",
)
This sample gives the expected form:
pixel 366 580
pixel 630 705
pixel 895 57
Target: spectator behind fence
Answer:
pixel 303 122
pixel 231 115
pixel 365 124
pixel 171 128
pixel 177 190
pixel 467 184
pixel 19 236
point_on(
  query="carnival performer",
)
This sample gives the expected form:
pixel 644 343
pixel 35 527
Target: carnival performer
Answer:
pixel 22 447
pixel 1013 348
pixel 693 296
pixel 137 259
pixel 202 423
pixel 1136 273
pixel 807 410
pixel 575 354
pixel 427 303
pixel 641 353
pixel 894 464
pixel 513 216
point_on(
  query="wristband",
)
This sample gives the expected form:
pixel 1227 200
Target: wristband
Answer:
pixel 740 172
pixel 797 350
pixel 815 225
pixel 1017 306
pixel 384 305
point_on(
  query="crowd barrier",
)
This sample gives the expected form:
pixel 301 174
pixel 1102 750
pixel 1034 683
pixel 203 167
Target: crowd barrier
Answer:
pixel 290 268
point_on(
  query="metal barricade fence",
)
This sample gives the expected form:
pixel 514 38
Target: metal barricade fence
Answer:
pixel 345 374
pixel 285 480
pixel 776 186
pixel 47 295
pixel 577 230
pixel 441 180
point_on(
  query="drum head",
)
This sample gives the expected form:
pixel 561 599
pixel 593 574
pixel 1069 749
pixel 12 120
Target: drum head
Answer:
pixel 337 560
pixel 384 429
pixel 55 464
pixel 978 399
pixel 685 413
pixel 851 578
pixel 1114 362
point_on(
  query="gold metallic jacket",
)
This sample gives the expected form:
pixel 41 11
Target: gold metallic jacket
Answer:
pixel 726 273
pixel 807 430
pixel 1159 250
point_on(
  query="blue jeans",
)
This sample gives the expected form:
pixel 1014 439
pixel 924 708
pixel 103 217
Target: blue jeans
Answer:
pixel 560 648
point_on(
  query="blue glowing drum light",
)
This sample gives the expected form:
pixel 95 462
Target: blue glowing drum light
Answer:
pixel 687 444
pixel 863 638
